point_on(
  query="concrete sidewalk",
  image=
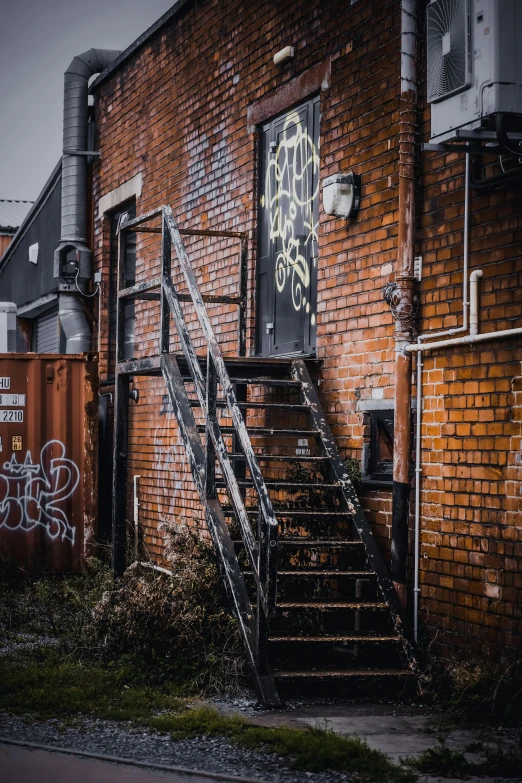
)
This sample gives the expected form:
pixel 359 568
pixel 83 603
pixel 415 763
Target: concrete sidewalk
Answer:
pixel 396 730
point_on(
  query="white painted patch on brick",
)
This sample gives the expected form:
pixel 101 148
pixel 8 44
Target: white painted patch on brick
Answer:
pixel 386 270
pixel 126 191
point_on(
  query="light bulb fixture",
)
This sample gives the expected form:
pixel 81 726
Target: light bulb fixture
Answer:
pixel 342 195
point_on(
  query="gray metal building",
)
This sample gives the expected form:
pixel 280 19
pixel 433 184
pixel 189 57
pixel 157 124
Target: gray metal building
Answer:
pixel 27 275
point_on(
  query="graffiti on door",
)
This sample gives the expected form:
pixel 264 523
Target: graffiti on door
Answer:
pixel 293 167
pixel 32 493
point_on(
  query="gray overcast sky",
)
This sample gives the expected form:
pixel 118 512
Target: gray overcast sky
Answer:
pixel 38 39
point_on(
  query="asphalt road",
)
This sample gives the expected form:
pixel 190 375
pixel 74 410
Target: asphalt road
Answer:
pixel 23 765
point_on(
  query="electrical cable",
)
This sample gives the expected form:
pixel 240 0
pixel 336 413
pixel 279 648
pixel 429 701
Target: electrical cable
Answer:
pixel 87 296
pixel 502 137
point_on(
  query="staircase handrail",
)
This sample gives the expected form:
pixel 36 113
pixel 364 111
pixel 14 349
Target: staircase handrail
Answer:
pixel 267 586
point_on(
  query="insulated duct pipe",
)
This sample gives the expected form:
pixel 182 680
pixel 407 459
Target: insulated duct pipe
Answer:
pixel 403 305
pixel 74 324
pixel 73 237
pixel 74 162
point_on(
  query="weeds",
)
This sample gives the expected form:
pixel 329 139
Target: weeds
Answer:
pixel 353 468
pixel 477 689
pixel 453 764
pixel 52 688
pixel 50 604
pixel 164 628
pixel 441 761
pixel 178 627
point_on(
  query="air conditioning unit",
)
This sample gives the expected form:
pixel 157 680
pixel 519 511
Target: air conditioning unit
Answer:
pixel 474 50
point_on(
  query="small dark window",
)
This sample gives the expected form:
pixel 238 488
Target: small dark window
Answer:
pixel 130 278
pixel 380 458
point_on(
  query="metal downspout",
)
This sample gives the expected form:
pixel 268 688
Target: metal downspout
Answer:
pixel 403 300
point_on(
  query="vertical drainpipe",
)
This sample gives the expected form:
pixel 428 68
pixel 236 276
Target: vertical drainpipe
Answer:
pixel 403 303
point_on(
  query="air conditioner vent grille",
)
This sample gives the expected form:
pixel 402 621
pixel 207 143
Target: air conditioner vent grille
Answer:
pixel 448 48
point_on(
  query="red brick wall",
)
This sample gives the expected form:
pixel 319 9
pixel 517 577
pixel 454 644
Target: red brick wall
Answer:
pixel 177 112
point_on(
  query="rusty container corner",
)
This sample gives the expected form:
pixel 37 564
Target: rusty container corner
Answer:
pixel 48 459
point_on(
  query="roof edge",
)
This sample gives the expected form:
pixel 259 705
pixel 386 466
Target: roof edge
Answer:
pixel 139 42
pixel 31 215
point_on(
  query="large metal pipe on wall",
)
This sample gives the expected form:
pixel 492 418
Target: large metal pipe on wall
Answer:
pixel 74 324
pixel 73 235
pixel 74 165
pixel 403 297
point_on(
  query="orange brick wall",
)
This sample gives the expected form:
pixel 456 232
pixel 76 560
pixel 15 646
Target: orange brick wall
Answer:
pixel 177 113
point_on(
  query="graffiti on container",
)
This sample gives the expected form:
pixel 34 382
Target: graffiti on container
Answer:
pixel 31 492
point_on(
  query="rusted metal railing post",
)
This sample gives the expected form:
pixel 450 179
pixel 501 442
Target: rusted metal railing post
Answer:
pixel 166 262
pixel 243 284
pixel 401 299
pixel 210 453
pixel 121 424
pixel 261 618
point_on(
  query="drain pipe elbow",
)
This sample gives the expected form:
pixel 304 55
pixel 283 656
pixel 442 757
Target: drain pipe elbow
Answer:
pixel 73 236
pixel 474 301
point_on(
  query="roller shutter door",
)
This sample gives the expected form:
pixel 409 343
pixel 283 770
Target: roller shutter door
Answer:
pixel 47 330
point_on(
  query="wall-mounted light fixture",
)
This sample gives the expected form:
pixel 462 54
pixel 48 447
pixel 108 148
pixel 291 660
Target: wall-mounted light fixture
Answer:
pixel 342 195
pixel 284 55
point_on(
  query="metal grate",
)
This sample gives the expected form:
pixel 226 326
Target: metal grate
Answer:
pixel 448 48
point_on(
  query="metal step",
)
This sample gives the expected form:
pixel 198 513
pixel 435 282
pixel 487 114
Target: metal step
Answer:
pixel 288 406
pixel 281 458
pixel 340 674
pixel 327 574
pixel 320 543
pixel 282 513
pixel 352 638
pixel 266 381
pixel 274 432
pixel 325 606
pixel 274 484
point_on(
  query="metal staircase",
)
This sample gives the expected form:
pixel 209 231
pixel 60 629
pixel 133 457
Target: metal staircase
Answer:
pixel 310 592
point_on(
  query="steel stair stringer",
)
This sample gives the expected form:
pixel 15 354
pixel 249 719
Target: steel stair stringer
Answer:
pixel 223 544
pixel 352 504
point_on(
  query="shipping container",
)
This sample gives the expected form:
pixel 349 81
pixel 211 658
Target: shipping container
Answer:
pixel 48 459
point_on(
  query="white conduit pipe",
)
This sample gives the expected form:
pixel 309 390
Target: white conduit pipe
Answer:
pixel 469 339
pixel 473 301
pixel 136 508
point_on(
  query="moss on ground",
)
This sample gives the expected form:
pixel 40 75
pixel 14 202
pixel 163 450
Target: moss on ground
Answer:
pixel 53 688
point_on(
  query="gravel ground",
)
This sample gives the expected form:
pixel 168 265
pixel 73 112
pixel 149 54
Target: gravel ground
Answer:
pixel 123 739
pixel 26 642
